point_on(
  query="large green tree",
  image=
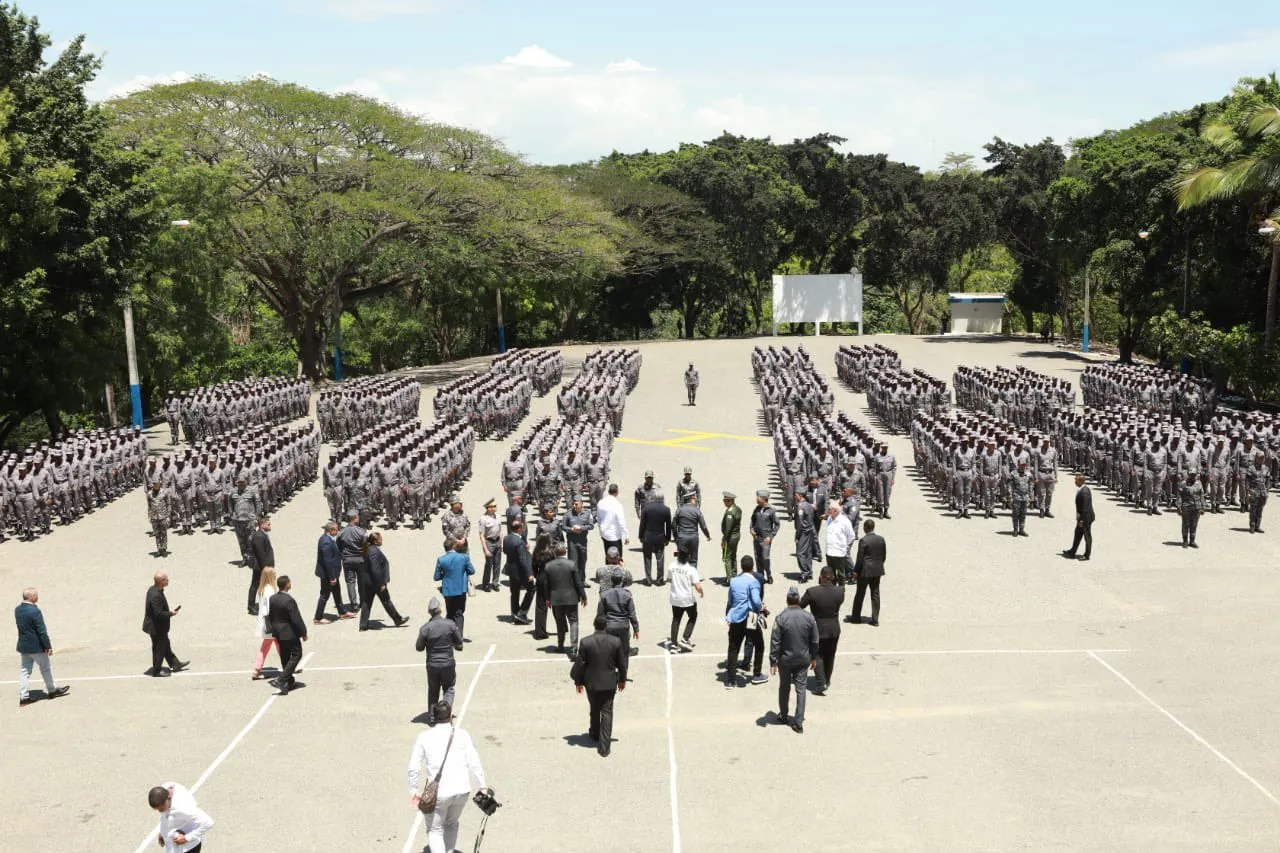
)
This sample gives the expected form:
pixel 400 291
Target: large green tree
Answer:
pixel 74 216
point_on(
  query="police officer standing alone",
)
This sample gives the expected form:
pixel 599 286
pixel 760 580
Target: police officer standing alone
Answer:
pixel 691 384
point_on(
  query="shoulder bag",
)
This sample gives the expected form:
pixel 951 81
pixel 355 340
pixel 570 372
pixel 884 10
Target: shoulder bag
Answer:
pixel 427 799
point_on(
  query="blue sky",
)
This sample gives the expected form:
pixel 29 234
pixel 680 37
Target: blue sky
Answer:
pixel 567 81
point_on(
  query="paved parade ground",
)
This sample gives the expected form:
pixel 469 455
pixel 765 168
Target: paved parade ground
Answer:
pixel 1009 700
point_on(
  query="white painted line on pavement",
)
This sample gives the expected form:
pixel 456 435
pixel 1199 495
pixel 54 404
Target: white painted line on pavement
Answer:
pixel 1154 704
pixel 418 820
pixel 671 756
pixel 560 659
pixel 147 842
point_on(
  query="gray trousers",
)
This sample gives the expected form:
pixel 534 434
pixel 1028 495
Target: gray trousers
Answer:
pixel 654 553
pixel 789 677
pixel 440 679
pixel 1256 503
pixel 351 574
pixel 690 546
pixel 804 553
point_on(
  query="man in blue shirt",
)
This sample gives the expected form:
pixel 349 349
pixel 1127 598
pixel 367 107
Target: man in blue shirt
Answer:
pixel 745 606
pixel 454 569
pixel 34 647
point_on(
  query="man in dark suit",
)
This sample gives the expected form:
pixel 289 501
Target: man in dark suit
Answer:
pixel 597 670
pixel 824 602
pixel 1084 521
pixel 329 570
pixel 156 623
pixel 286 625
pixel 868 568
pixel 261 555
pixel 655 536
pixel 564 593
pixel 519 570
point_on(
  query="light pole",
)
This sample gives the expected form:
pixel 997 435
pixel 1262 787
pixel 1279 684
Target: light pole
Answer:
pixel 131 347
pixel 1084 328
pixel 1268 229
pixel 502 329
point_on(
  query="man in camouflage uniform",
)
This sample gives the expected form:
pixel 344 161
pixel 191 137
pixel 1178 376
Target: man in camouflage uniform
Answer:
pixel 159 513
pixel 1020 487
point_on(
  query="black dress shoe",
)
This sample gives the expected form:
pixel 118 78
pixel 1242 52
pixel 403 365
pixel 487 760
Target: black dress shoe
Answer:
pixel 1083 558
pixel 164 673
pixel 874 623
pixel 180 665
pixel 797 728
pixel 1070 554
pixel 784 720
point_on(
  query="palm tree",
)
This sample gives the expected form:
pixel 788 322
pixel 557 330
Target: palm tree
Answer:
pixel 1253 173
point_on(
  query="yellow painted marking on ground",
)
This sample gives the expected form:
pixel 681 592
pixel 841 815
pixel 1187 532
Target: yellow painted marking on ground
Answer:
pixel 668 443
pixel 720 435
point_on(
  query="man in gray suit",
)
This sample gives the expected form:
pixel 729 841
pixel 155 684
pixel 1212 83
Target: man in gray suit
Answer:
pixel 868 568
pixel 564 592
pixel 1084 521
pixel 599 670
pixel 806 536
pixel 793 649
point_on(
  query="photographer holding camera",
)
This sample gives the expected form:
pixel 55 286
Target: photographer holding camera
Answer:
pixel 451 763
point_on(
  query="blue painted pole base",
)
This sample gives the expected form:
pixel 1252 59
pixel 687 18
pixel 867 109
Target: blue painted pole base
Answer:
pixel 337 364
pixel 1084 338
pixel 135 402
pixel 502 339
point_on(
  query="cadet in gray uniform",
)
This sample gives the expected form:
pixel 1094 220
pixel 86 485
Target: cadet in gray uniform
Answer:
pixel 806 536
pixel 685 524
pixel 1257 481
pixel 1019 496
pixel 1046 477
pixel 687 487
pixel 1191 506
pixel 246 509
pixel 646 491
pixel 159 512
pixel 764 526
pixel 454 524
pixel 691 386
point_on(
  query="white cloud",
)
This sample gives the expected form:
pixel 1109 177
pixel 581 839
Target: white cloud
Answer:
pixel 369 10
pixel 137 83
pixel 1252 53
pixel 626 66
pixel 555 112
pixel 535 57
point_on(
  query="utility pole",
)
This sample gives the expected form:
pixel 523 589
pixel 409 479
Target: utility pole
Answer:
pixel 1084 329
pixel 131 350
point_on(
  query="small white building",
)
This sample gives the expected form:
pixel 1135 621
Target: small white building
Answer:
pixel 976 313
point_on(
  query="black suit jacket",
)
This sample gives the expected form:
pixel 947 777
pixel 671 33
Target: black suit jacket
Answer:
pixel 600 659
pixel 655 523
pixel 156 620
pixel 1084 505
pixel 284 620
pixel 261 554
pixel 870 560
pixel 328 558
pixel 561 584
pixel 519 565
pixel 376 567
pixel 824 602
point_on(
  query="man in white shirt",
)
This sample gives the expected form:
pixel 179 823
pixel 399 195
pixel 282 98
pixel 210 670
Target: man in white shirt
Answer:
pixel 685 581
pixel 447 753
pixel 610 521
pixel 182 823
pixel 839 540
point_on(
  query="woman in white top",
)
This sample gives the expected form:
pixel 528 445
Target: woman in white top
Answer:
pixel 266 589
pixel 685 581
pixel 461 765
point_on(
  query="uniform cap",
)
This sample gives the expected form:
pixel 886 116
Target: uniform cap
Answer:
pixel 648 473
pixel 688 470
pixel 762 493
pixel 730 496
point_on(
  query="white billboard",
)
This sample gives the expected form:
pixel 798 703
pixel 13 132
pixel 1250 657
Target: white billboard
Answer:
pixel 817 299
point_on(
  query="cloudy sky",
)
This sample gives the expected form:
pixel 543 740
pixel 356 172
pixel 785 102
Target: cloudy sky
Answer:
pixel 565 80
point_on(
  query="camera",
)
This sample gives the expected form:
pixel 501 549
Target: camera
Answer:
pixel 485 801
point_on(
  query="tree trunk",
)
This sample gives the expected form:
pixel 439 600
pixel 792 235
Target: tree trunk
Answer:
pixel 310 351
pixel 1125 345
pixel 53 420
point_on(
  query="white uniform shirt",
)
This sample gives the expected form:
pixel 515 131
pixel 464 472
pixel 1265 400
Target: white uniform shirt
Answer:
pixel 840 535
pixel 185 817
pixel 462 761
pixel 610 521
